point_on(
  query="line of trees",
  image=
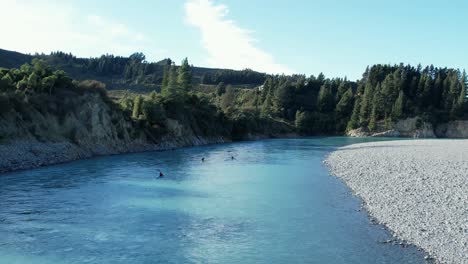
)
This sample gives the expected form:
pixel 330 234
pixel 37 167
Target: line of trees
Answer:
pixel 315 104
pixel 177 81
pixel 135 69
pixel 246 76
pixel 385 94
pixel 36 77
pixel 391 93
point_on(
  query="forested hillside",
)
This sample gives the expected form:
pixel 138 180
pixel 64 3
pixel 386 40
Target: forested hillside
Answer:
pixel 385 93
pixel 133 72
pixel 39 89
pixel 278 104
pixel 391 93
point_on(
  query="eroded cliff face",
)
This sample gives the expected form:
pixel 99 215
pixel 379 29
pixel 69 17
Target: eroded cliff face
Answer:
pixel 416 128
pixel 79 126
pixel 453 129
pixel 79 119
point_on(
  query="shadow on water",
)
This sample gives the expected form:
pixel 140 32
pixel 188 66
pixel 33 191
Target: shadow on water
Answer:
pixel 274 203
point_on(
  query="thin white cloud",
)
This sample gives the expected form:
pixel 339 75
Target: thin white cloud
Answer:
pixel 228 45
pixel 45 26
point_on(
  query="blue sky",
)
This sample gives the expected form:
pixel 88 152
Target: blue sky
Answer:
pixel 338 38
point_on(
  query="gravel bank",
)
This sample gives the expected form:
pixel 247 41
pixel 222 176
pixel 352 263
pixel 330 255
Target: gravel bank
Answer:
pixel 417 188
pixel 22 155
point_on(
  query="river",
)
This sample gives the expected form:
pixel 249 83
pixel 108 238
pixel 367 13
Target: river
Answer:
pixel 274 203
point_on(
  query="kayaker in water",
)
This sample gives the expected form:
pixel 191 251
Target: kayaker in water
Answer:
pixel 161 174
pixel 203 159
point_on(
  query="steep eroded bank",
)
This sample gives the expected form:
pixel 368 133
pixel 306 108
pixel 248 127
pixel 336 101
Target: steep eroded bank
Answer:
pixel 43 130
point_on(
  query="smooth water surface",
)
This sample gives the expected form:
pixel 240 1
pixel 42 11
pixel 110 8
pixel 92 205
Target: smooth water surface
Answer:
pixel 275 203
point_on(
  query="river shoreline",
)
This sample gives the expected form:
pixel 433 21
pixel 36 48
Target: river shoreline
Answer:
pixel 24 155
pixel 118 206
pixel 414 188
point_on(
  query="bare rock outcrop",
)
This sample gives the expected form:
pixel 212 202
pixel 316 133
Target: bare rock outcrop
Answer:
pixel 415 127
pixel 453 129
pixel 82 127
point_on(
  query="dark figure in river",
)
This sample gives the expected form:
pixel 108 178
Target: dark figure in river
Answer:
pixel 203 159
pixel 161 174
pixel 232 158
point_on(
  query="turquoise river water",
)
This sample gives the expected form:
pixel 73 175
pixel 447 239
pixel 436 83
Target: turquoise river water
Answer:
pixel 274 203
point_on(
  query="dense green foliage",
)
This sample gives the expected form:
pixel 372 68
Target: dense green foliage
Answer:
pixel 279 104
pixel 133 69
pixel 315 104
pixel 37 78
pixel 385 93
pixel 391 93
pixel 176 81
pixel 246 76
pixel 227 112
pixel 132 72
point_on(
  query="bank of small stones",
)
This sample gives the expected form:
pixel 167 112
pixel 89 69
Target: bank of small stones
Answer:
pixel 20 155
pixel 417 188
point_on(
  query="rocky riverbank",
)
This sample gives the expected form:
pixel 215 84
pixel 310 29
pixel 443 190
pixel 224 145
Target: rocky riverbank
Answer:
pixel 415 128
pixel 22 155
pixel 83 126
pixel 417 188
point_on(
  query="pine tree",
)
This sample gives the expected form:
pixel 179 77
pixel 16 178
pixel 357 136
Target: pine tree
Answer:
pixel 398 107
pixel 388 91
pixel 379 102
pixel 172 82
pixel 366 105
pixel 420 90
pixel 437 91
pixel 284 98
pixel 345 105
pixel 267 86
pixel 325 99
pixel 172 89
pixel 301 121
pixel 342 89
pixel 459 105
pixel 165 80
pixel 266 109
pixel 373 119
pixel 427 92
pixel 184 78
pixel 453 95
pixel 228 98
pixel 354 120
pixel 136 106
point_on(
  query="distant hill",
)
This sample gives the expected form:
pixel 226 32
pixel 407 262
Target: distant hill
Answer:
pixel 132 72
pixel 13 59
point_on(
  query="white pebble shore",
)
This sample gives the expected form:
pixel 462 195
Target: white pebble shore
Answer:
pixel 417 188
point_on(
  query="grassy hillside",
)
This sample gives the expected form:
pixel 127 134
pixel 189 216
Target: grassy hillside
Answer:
pixel 129 73
pixel 12 59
